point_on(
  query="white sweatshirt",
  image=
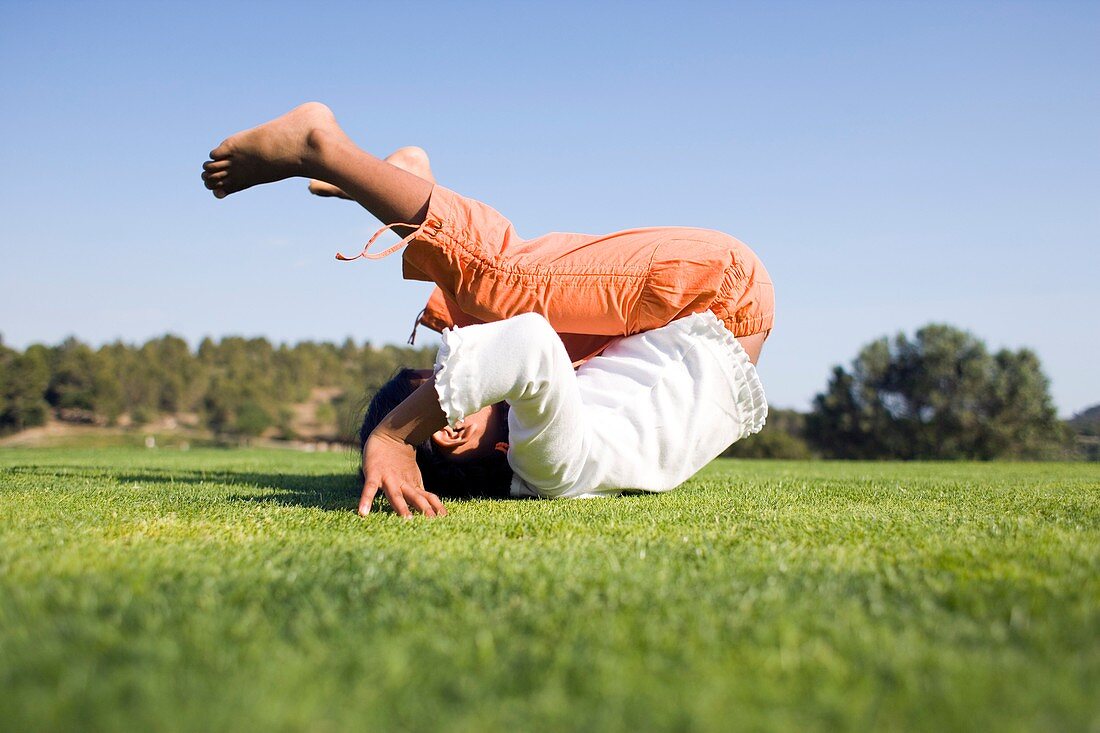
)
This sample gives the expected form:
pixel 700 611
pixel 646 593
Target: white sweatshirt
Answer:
pixel 645 415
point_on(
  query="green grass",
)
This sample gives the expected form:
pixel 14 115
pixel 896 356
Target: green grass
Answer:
pixel 223 590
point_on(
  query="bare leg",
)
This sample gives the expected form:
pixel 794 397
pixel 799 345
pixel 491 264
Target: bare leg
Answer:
pixel 753 345
pixel 410 158
pixel 308 142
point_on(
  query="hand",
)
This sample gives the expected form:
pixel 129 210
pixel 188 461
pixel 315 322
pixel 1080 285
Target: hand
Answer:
pixel 390 464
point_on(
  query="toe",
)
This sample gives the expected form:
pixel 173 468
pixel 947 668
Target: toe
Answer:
pixel 214 175
pixel 232 184
pixel 215 165
pixel 220 193
pixel 221 152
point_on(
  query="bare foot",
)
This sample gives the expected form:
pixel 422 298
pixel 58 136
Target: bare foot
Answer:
pixel 409 158
pixel 320 188
pixel 284 147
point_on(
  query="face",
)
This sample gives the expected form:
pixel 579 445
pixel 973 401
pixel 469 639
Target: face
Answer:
pixel 474 437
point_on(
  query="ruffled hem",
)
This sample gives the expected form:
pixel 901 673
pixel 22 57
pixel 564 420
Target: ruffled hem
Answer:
pixel 445 388
pixel 749 400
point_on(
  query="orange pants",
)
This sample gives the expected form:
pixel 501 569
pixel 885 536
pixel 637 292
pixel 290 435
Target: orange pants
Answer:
pixel 592 289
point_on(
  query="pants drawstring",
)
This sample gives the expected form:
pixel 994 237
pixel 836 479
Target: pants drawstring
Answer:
pixel 416 324
pixel 387 252
pixel 366 253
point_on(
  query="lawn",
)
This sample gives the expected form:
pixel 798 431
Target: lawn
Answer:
pixel 223 590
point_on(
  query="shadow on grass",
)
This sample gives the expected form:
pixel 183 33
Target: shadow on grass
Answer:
pixel 337 492
pixel 332 491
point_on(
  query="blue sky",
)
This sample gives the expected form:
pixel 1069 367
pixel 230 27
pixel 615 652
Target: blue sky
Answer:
pixel 893 164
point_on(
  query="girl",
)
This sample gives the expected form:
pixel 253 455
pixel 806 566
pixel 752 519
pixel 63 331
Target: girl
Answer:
pixel 666 324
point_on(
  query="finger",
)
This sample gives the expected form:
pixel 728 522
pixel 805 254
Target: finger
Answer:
pixel 420 502
pixel 437 504
pixel 370 489
pixel 398 502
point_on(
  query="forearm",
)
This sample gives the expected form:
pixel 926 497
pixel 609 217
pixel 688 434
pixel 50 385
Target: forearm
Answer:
pixel 515 361
pixel 416 418
pixel 389 457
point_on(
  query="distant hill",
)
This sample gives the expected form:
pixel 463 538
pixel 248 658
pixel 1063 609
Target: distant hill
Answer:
pixel 1086 422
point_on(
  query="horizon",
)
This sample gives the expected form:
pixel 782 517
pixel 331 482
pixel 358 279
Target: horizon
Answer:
pixel 893 165
pixel 193 347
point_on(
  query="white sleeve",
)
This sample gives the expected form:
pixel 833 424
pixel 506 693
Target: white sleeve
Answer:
pixel 664 403
pixel 520 361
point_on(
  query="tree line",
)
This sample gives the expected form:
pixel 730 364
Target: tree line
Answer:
pixel 941 394
pixel 235 386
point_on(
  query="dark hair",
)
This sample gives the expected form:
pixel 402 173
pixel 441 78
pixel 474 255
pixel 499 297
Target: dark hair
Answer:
pixel 483 477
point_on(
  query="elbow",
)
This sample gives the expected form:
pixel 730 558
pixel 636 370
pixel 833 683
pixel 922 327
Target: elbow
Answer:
pixel 537 337
pixel 542 354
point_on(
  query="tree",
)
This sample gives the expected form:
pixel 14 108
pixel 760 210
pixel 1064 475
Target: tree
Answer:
pixel 84 382
pixel 171 369
pixel 23 381
pixel 252 419
pixel 938 395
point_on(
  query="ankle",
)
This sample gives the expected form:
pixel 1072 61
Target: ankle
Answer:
pixel 321 144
